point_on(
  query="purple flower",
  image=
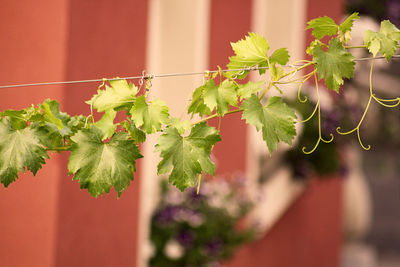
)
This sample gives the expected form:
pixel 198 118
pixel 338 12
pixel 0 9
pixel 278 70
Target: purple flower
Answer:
pixel 185 238
pixel 330 122
pixel 195 198
pixel 195 219
pixel 167 215
pixel 343 171
pixel 213 247
pixel 301 169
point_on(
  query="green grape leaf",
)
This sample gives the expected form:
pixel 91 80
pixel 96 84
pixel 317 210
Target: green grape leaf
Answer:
pixel 77 122
pixel 334 64
pixel 19 149
pixel 181 126
pixel 197 105
pixel 348 22
pixel 275 119
pixel 280 56
pixel 34 114
pixel 149 116
pixel 385 41
pixel 322 26
pixel 136 134
pixel 186 157
pixel 17 118
pixel 99 166
pixel 52 125
pixel 345 28
pixel 250 52
pixel 220 97
pixel 390 30
pixel 106 123
pixel 249 88
pixel 49 116
pixel 313 44
pixel 48 134
pixel 55 119
pixel 277 72
pixel 117 96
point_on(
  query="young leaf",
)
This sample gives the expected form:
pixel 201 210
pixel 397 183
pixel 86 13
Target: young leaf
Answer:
pixel 106 123
pixel 17 118
pixel 19 149
pixel 345 28
pixel 249 88
pixel 197 106
pixel 250 52
pixel 220 97
pixel 54 118
pixel 277 72
pixel 385 41
pixel 334 64
pixel 186 157
pixel 136 134
pixel 99 166
pixel 149 116
pixel 50 108
pixel 280 56
pixel 322 26
pixel 275 119
pixel 312 46
pixel 348 23
pixel 77 122
pixel 119 95
pixel 181 126
pixel 52 125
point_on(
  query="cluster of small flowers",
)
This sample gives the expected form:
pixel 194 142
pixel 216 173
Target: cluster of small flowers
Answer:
pixel 196 229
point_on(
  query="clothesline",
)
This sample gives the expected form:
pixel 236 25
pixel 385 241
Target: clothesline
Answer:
pixel 145 76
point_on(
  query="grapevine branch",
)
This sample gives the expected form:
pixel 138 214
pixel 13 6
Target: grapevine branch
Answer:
pixel 103 153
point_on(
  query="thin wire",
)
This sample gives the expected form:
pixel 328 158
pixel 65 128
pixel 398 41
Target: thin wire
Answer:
pixel 165 75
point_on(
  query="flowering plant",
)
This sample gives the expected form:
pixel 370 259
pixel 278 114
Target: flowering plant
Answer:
pixel 200 228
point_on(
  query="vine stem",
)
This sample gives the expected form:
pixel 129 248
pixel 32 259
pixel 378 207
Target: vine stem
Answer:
pixel 301 85
pixel 198 184
pixel 354 46
pixel 297 69
pixel 303 78
pixel 266 90
pixel 270 84
pixel 217 115
pixel 64 148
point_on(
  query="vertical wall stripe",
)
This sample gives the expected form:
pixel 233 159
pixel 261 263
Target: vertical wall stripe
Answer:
pixel 282 23
pixel 301 231
pixel 230 22
pixel 177 42
pixel 32 48
pixel 105 38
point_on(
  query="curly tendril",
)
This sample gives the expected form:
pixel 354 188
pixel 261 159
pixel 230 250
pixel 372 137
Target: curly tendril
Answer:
pixel 378 100
pixel 317 107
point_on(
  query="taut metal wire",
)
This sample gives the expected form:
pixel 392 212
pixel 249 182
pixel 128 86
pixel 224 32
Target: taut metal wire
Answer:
pixel 165 75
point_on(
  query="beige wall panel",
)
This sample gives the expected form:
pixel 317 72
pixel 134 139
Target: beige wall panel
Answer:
pixel 282 23
pixel 178 42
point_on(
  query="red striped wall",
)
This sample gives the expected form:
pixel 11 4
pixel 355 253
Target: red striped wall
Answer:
pixel 48 220
pixel 230 22
pixel 32 48
pixel 106 39
pixel 309 233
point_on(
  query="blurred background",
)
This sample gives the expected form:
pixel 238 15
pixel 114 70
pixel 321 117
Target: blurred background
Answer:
pixel 337 207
